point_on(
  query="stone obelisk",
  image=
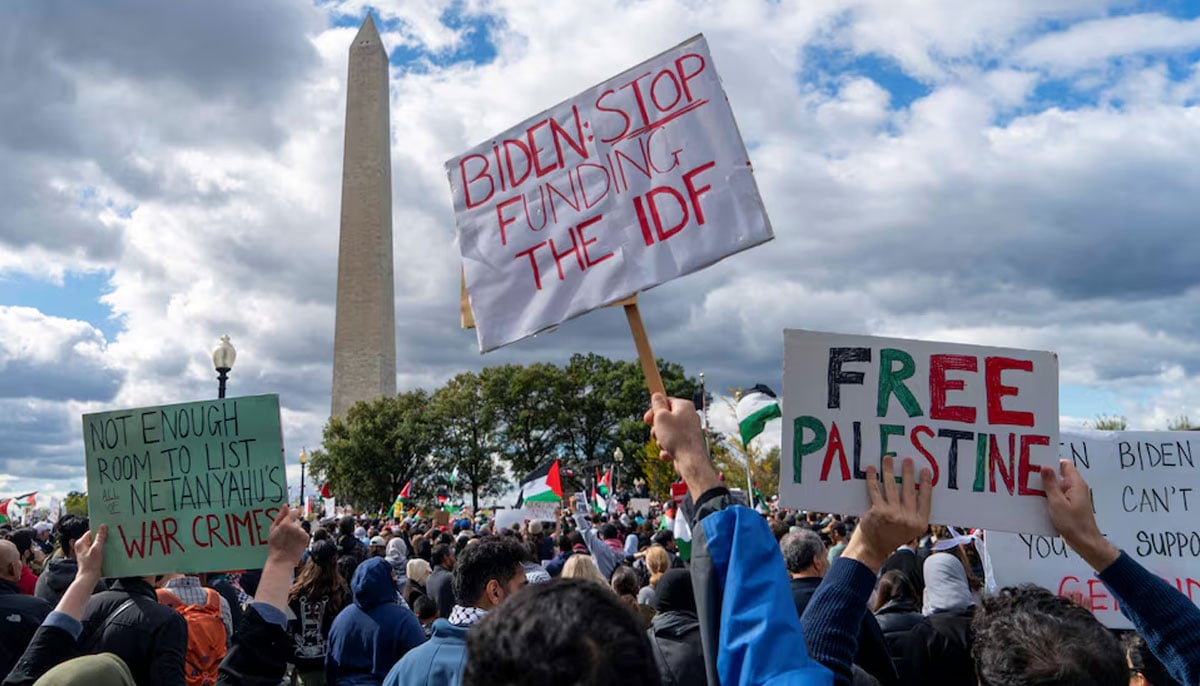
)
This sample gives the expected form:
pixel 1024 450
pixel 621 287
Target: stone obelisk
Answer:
pixel 364 341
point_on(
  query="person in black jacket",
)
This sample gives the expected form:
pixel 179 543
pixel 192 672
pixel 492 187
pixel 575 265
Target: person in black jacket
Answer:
pixel 899 616
pixel 806 561
pixel 910 560
pixel 20 615
pixel 949 606
pixel 128 621
pixel 675 631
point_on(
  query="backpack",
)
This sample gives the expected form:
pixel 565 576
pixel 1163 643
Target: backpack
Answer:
pixel 206 636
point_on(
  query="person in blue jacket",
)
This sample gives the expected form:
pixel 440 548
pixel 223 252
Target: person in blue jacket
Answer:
pixel 369 636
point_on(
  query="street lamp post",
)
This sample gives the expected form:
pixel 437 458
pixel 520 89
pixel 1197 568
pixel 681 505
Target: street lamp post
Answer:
pixel 303 462
pixel 619 456
pixel 223 358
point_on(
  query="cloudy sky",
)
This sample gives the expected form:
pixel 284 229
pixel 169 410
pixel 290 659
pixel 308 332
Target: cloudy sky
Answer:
pixel 1019 173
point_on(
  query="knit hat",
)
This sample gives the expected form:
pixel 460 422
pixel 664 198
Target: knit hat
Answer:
pixel 674 592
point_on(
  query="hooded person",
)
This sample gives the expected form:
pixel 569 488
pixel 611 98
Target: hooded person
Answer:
pixel 373 633
pixel 104 669
pixel 397 557
pixel 417 571
pixel 675 631
pixel 949 606
pixel 61 569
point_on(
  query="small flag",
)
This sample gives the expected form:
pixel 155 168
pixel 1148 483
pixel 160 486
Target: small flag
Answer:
pixel 542 485
pixel 605 483
pixel 598 503
pixel 401 499
pixel 755 408
pixel 27 500
pixel 326 492
pixel 683 536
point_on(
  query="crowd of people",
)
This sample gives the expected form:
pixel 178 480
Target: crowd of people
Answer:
pixel 776 598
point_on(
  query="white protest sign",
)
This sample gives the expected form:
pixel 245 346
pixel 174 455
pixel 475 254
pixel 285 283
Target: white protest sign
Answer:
pixel 983 420
pixel 545 512
pixel 627 185
pixel 506 518
pixel 1145 486
pixel 641 505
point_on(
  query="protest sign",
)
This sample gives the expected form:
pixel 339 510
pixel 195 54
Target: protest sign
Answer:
pixel 545 512
pixel 1144 486
pixel 641 505
pixel 982 419
pixel 506 518
pixel 627 185
pixel 441 518
pixel 192 487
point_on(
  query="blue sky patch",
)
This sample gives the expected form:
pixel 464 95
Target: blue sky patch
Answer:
pixel 77 298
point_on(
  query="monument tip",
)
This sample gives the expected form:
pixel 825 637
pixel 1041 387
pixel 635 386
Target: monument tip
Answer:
pixel 368 33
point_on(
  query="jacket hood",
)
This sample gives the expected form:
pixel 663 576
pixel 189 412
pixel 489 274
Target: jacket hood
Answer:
pixel 372 584
pixel 60 572
pixel 674 624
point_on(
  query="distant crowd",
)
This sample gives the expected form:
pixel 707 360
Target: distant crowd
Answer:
pixel 779 597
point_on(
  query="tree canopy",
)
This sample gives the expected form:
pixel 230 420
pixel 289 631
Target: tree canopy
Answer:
pixel 484 431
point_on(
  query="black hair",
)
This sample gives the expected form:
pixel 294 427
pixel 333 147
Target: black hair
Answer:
pixel 346 526
pixel 608 531
pixel 576 538
pixel 439 555
pixel 491 558
pixel 1028 635
pixel 321 534
pixel 569 631
pixel 894 585
pixel 839 528
pixel 564 543
pixel 778 529
pixel 23 539
pixel 1144 662
pixel 424 607
pixel 70 529
pixel 624 581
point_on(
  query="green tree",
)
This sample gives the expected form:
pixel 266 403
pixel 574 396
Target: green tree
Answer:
pixel 1181 423
pixel 76 504
pixel 469 436
pixel 659 473
pixel 1106 423
pixel 527 401
pixel 382 443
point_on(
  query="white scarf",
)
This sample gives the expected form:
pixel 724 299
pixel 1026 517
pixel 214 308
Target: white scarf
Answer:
pixel 466 616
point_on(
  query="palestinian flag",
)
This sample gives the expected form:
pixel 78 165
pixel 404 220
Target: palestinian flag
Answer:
pixel 9 511
pixel 542 485
pixel 598 503
pixel 401 498
pixel 604 484
pixel 755 408
pixel 27 500
pixel 683 536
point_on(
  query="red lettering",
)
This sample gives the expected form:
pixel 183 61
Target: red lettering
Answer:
pixel 1095 596
pixel 505 221
pixel 213 523
pixel 1026 469
pixel 537 275
pixel 1063 584
pixel 624 127
pixel 513 181
pixel 685 77
pixel 695 193
pixel 196 537
pixel 654 90
pixel 642 221
pixel 996 462
pixel 536 153
pixel 658 222
pixel 483 174
pixel 933 465
pixel 133 544
pixel 558 257
pixel 559 134
pixel 996 390
pixel 170 533
pixel 939 384
pixel 584 242
pixel 637 94
pixel 835 446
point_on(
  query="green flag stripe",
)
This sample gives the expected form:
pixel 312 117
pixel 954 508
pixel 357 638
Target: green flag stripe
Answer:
pixel 754 424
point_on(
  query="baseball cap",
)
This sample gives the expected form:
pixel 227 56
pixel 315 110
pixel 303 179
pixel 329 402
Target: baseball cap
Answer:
pixel 378 540
pixel 43 527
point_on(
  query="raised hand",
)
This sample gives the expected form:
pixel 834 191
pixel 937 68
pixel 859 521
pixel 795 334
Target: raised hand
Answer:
pixel 676 426
pixel 1069 502
pixel 896 514
pixel 89 553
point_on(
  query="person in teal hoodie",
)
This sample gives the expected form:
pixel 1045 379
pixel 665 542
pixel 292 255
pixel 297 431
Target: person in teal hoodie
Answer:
pixel 369 636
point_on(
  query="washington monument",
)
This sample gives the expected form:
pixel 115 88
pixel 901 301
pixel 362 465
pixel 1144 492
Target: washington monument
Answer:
pixel 364 340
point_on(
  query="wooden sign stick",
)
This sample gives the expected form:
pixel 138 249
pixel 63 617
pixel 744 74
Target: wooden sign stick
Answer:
pixel 645 353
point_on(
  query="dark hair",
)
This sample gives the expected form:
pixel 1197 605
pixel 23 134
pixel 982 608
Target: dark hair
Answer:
pixel 492 557
pixel 893 585
pixel 424 607
pixel 1028 635
pixel 1144 662
pixel 608 531
pixel 838 528
pixel 439 555
pixel 665 536
pixel 568 631
pixel 778 529
pixel 564 543
pixel 800 550
pixel 576 538
pixel 624 581
pixel 70 529
pixel 346 526
pixel 23 539
pixel 321 534
pixel 347 565
pixel 319 578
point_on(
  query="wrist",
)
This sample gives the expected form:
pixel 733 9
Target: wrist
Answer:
pixel 1096 551
pixel 865 553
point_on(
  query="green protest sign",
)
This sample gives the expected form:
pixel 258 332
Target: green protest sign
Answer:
pixel 190 488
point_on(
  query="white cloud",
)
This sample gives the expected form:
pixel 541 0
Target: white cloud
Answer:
pixel 1090 43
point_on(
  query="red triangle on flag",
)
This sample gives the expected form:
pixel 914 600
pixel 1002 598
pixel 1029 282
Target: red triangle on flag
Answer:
pixel 554 481
pixel 325 492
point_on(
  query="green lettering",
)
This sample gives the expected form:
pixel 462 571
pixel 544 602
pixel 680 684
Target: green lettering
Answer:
pixel 802 448
pixel 981 446
pixel 891 382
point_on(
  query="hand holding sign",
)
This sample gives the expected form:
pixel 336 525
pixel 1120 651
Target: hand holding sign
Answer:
pixel 89 554
pixel 896 516
pixel 676 426
pixel 1070 505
